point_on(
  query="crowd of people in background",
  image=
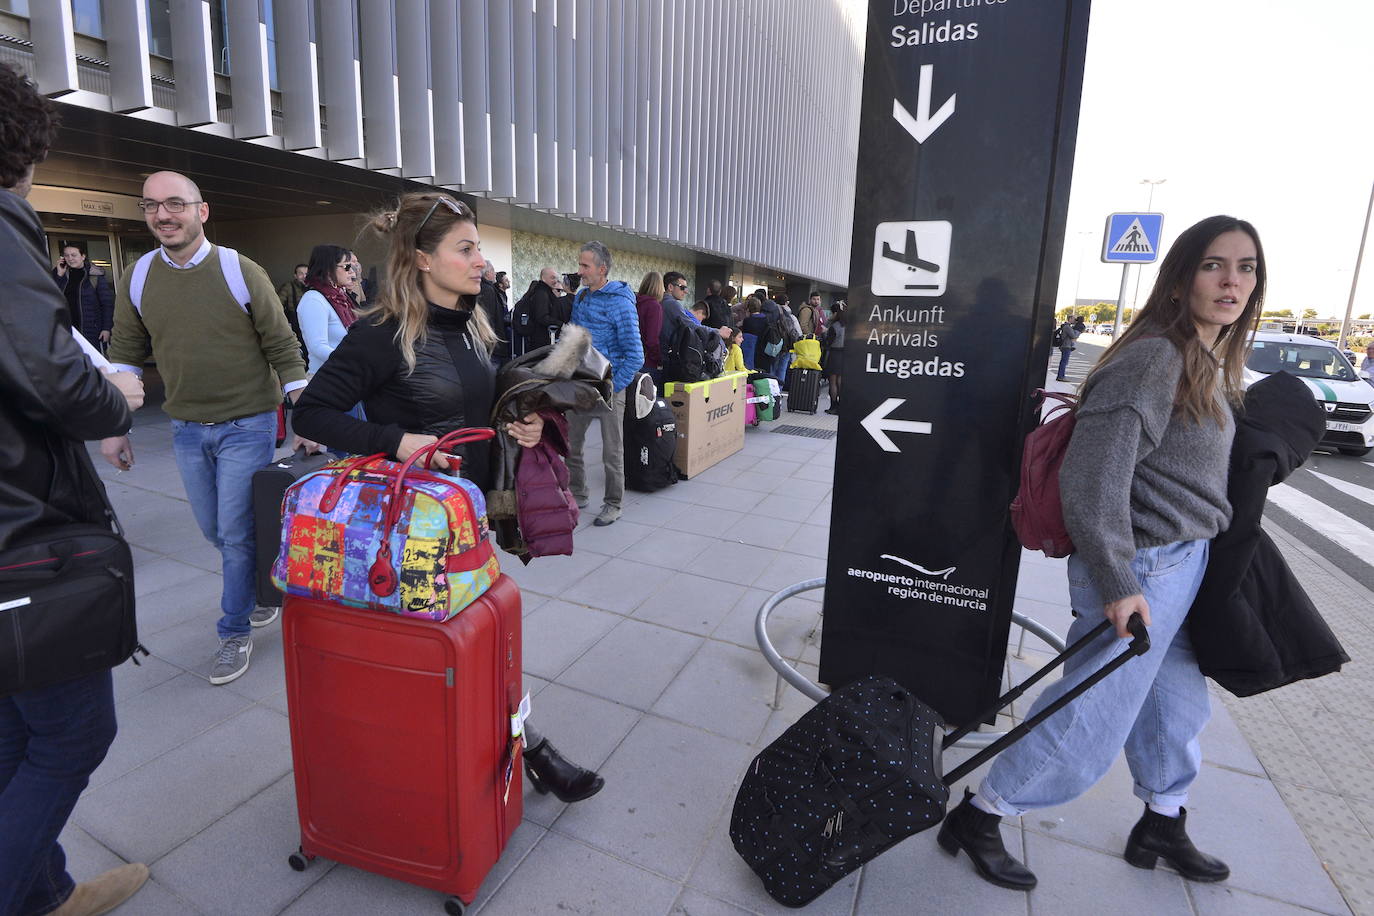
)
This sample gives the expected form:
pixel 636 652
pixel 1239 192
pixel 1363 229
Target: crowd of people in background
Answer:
pixel 324 296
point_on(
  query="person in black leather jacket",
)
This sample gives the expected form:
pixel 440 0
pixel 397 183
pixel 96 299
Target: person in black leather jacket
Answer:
pixel 419 360
pixel 52 400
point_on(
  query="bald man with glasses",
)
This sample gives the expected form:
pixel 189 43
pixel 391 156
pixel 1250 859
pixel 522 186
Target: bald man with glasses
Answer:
pixel 226 353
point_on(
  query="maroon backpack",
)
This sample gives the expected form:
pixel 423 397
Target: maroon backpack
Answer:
pixel 1036 512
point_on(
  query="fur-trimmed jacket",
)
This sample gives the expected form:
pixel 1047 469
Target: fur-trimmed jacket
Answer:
pixel 530 507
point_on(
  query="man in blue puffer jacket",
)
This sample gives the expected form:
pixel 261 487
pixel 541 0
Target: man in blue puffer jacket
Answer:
pixel 607 310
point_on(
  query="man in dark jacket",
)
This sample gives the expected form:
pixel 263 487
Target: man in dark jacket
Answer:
pixel 52 400
pixel 719 315
pixel 540 313
pixel 88 292
pixel 1252 626
pixel 493 301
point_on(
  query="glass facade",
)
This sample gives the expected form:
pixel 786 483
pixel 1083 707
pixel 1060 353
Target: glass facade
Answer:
pixel 86 18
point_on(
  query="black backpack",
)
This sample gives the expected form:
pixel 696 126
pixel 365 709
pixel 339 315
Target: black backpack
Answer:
pixel 650 444
pixel 856 775
pixel 694 353
pixel 522 316
pixel 1058 337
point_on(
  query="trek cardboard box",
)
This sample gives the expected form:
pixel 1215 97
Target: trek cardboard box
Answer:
pixel 710 420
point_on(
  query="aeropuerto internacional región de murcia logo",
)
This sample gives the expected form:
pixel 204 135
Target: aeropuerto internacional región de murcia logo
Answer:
pixel 931 585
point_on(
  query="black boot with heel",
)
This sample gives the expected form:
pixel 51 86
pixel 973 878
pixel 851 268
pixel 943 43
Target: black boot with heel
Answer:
pixel 549 771
pixel 1158 836
pixel 978 834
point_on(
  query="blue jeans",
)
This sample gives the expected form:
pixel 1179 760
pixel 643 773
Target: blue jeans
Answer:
pixel 217 462
pixel 1155 706
pixel 51 740
pixel 1063 362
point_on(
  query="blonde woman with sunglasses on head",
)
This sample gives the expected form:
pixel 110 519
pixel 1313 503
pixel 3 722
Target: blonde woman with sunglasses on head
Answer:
pixel 419 361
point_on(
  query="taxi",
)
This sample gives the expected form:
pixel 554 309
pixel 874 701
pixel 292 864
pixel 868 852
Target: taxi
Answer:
pixel 1347 398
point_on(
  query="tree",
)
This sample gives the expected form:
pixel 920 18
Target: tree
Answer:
pixel 1281 313
pixel 1309 313
pixel 1364 317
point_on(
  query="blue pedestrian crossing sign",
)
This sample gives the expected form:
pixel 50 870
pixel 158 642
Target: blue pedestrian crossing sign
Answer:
pixel 1132 238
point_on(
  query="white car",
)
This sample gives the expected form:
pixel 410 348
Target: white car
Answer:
pixel 1347 398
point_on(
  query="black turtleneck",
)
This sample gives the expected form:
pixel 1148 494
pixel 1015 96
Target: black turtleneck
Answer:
pixel 452 386
pixel 71 288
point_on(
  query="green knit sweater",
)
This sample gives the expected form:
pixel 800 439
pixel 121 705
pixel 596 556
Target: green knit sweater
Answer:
pixel 216 359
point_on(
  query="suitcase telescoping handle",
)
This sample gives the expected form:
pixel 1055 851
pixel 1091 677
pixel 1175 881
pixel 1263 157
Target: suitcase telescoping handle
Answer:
pixel 1139 645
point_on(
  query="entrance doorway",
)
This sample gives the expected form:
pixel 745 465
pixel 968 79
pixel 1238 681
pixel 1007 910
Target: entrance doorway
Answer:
pixel 99 248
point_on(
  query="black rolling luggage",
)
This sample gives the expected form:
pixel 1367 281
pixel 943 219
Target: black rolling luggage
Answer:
pixel 859 773
pixel 269 485
pixel 650 436
pixel 804 390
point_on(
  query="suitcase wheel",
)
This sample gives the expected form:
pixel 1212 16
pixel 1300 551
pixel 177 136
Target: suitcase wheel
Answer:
pixel 454 907
pixel 299 860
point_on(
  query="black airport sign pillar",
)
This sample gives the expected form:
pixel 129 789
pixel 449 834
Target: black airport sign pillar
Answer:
pixel 966 140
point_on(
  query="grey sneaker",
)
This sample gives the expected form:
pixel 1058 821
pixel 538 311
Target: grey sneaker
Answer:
pixel 262 616
pixel 608 516
pixel 232 659
pixel 581 501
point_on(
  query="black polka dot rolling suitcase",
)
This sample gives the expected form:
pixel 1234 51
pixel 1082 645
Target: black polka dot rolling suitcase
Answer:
pixel 860 772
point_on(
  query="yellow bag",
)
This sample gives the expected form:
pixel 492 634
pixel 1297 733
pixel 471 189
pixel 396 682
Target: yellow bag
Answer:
pixel 808 353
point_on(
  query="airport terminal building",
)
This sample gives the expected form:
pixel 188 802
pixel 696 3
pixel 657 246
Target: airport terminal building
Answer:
pixel 713 137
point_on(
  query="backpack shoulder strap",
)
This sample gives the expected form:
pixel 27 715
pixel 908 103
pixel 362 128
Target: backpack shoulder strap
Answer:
pixel 139 278
pixel 232 269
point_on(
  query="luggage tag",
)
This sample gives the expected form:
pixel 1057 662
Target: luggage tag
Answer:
pixel 517 741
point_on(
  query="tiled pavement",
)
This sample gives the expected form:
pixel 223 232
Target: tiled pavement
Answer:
pixel 640 653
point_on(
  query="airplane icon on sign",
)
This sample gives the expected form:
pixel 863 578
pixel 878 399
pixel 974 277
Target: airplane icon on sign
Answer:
pixel 909 256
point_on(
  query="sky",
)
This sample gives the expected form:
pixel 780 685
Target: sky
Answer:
pixel 1260 109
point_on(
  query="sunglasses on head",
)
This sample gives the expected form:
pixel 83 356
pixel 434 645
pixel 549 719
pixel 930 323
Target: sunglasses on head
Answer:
pixel 452 205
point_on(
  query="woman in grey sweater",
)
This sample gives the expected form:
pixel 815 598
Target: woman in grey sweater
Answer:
pixel 1159 403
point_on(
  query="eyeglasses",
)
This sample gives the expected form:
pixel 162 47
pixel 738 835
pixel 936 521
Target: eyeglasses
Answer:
pixel 681 285
pixel 434 206
pixel 172 205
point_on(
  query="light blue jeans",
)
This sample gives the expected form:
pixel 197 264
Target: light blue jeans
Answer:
pixel 217 462
pixel 1154 706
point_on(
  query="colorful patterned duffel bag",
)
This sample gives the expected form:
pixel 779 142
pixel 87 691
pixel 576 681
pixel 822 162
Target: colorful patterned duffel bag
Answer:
pixel 378 534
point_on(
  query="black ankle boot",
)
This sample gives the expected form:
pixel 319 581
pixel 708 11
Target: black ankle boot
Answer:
pixel 1156 835
pixel 976 833
pixel 550 772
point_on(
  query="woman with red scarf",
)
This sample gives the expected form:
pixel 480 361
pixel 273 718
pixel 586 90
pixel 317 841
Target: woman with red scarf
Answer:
pixel 326 310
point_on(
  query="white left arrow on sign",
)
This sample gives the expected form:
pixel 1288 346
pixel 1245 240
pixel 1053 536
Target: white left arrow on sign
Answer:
pixel 878 425
pixel 924 123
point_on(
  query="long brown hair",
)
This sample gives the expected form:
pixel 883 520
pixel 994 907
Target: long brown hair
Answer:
pixel 1166 313
pixel 401 297
pixel 652 285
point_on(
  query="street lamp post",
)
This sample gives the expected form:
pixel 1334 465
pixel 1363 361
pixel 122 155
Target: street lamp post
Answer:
pixel 1149 202
pixel 1355 280
pixel 1083 237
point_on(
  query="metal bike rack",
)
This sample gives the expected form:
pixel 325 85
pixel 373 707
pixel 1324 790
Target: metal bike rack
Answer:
pixel 816 692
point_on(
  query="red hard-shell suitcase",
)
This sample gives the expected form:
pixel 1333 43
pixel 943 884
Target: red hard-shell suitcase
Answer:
pixel 401 738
